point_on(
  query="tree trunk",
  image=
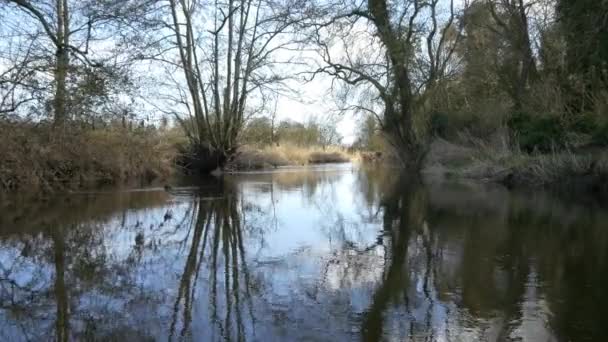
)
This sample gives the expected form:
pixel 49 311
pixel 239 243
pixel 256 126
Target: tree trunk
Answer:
pixel 398 117
pixel 62 63
pixel 411 155
pixel 59 102
pixel 528 64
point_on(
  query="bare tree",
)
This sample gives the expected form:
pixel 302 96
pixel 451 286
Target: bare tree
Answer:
pixel 410 47
pixel 226 53
pixel 59 34
pixel 16 80
pixel 62 35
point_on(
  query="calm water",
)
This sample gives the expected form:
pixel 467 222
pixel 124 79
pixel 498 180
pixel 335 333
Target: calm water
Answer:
pixel 329 254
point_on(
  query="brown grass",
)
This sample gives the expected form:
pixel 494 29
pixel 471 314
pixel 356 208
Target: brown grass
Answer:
pixel 35 157
pixel 558 168
pixel 497 162
pixel 251 158
pixel 326 157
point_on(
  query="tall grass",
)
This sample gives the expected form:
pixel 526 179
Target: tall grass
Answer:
pixel 36 157
pixel 560 168
pixel 508 164
pixel 499 160
pixel 251 158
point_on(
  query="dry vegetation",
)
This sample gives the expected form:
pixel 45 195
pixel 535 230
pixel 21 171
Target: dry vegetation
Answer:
pixel 251 158
pixel 556 169
pixel 499 162
pixel 33 159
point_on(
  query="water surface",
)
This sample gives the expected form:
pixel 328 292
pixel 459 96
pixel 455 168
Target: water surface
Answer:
pixel 332 253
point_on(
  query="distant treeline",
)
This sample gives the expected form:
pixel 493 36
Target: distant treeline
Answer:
pixel 263 131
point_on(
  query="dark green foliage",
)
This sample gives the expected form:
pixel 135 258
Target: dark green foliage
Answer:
pixel 600 134
pixel 538 133
pixel 480 124
pixel 585 28
pixel 440 123
pixel 585 123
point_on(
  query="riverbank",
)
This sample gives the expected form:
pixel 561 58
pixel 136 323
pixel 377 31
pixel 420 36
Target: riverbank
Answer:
pixel 249 158
pixel 584 169
pixel 37 158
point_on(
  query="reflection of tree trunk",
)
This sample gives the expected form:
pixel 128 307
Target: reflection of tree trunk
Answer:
pixel 429 277
pixel 61 295
pixel 185 293
pixel 236 290
pixel 373 323
pixel 226 232
pixel 217 223
pixel 409 214
pixel 213 276
pixel 517 267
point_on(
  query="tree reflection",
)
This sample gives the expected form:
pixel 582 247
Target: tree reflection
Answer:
pixel 88 280
pixel 217 241
pixel 392 259
pixel 475 265
pixel 404 216
pixel 61 295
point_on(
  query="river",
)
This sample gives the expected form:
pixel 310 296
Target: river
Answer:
pixel 327 253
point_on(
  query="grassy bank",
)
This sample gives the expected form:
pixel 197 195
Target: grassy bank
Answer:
pixel 498 162
pixel 581 169
pixel 268 157
pixel 36 157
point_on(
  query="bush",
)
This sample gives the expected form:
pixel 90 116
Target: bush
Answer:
pixel 440 122
pixel 538 133
pixel 600 134
pixel 548 133
pixel 481 119
pixel 585 123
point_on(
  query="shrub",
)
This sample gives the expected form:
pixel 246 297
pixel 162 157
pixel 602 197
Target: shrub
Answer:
pixel 538 133
pixel 586 123
pixel 600 134
pixel 440 122
pixel 481 119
